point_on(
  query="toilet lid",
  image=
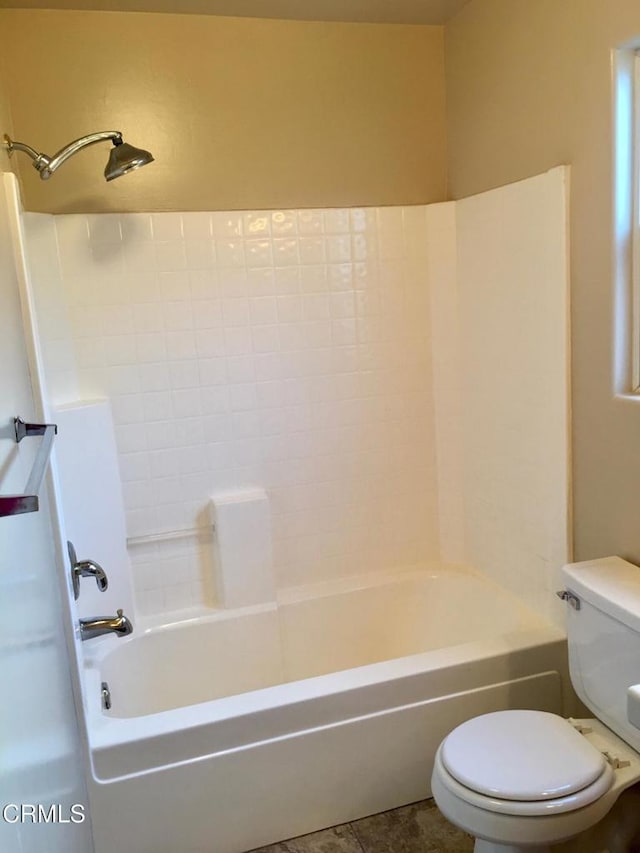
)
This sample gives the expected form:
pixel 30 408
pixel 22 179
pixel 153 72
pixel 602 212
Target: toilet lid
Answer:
pixel 521 755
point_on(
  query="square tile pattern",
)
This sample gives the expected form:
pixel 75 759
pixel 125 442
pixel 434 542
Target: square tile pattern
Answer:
pixel 283 349
pixel 418 828
pixel 393 377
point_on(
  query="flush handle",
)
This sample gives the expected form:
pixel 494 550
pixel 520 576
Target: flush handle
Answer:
pixel 571 599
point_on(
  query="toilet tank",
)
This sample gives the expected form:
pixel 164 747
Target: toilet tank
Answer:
pixel 603 633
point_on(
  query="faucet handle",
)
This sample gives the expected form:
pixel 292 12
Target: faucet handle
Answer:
pixel 88 568
pixel 85 569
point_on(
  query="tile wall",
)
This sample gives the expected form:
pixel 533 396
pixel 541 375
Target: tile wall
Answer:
pixel 283 349
pixel 324 355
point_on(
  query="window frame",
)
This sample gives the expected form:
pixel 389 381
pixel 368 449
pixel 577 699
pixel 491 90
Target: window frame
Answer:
pixel 635 227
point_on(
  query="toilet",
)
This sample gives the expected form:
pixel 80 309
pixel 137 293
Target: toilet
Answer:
pixel 525 780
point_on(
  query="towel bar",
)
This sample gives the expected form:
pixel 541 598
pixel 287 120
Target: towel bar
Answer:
pixel 29 502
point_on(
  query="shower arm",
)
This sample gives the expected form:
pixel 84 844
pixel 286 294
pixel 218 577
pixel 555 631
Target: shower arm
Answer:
pixel 47 165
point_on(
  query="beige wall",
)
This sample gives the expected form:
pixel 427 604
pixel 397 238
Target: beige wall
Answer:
pixel 239 113
pixel 6 125
pixel 528 87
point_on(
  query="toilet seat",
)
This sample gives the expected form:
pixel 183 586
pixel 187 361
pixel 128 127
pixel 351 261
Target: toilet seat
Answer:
pixel 522 763
pixel 525 808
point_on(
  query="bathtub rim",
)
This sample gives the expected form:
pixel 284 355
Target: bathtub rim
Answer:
pixel 400 676
pixel 394 679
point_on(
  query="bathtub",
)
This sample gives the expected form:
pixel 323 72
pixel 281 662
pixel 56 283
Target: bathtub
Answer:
pixel 241 728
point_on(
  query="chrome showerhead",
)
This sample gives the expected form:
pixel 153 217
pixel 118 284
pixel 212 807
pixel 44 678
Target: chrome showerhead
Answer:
pixel 125 158
pixel 122 159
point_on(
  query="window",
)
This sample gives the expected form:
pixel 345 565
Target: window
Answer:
pixel 634 131
pixel 626 223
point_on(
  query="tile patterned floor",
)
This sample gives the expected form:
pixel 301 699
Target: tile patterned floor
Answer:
pixel 419 828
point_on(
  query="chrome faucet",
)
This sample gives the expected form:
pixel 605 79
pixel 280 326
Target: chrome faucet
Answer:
pixel 95 626
pixel 85 569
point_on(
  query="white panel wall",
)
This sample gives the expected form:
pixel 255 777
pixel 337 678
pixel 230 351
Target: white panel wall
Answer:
pixel 40 754
pixel 56 338
pixel 513 309
pixel 283 349
pixel 449 411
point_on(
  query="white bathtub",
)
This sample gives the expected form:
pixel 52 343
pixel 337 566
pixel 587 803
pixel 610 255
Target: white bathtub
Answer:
pixel 246 727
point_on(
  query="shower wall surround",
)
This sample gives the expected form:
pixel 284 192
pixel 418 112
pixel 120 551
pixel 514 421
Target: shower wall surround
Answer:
pixel 282 349
pixel 396 379
pixel 513 316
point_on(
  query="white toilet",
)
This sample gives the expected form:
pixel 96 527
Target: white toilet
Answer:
pixel 524 780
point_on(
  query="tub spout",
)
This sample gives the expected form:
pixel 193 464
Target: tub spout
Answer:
pixel 95 626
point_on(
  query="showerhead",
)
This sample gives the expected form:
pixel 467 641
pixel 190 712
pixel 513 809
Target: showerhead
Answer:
pixel 125 158
pixel 122 159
